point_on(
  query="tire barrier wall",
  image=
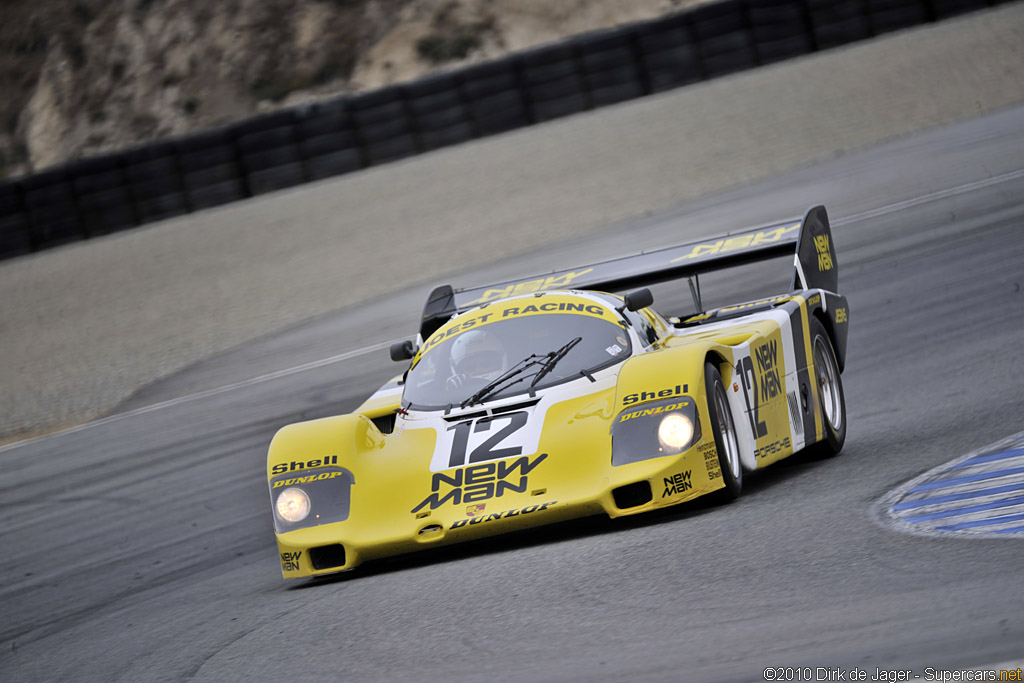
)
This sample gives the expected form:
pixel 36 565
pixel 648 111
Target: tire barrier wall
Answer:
pixel 105 194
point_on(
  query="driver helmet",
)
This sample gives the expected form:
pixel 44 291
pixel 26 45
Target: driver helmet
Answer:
pixel 478 354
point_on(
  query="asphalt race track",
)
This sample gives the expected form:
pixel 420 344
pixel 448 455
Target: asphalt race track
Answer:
pixel 140 548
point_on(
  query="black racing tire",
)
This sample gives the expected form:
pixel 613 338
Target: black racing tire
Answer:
pixel 831 399
pixel 723 427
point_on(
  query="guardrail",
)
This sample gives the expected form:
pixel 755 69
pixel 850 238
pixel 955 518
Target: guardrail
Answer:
pixel 105 194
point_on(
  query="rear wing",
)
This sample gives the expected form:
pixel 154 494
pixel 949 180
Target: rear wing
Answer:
pixel 810 238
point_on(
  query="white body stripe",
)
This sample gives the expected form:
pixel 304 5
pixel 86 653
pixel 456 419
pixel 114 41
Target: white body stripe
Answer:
pixel 736 400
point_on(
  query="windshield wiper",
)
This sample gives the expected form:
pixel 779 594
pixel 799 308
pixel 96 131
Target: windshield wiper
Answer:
pixel 553 359
pixel 498 383
pixel 549 360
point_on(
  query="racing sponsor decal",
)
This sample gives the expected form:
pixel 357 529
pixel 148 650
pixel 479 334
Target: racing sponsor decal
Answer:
pixel 307 479
pixel 676 484
pixel 644 412
pixel 630 399
pixel 726 245
pixel 773 448
pixel 281 468
pixel 501 515
pixel 841 316
pixel 480 482
pixel 474 510
pixel 710 453
pixel 554 304
pixel 754 377
pixel 824 253
pixel 467 324
pixel 529 287
pixel 768 370
pixel 552 307
pixel 290 561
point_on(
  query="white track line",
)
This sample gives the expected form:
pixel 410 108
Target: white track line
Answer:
pixel 209 392
pixel 931 196
pixel 873 213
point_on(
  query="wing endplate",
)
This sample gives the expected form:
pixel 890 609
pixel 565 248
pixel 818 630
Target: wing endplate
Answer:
pixel 815 264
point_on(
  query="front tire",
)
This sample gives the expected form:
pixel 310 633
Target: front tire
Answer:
pixel 831 399
pixel 724 429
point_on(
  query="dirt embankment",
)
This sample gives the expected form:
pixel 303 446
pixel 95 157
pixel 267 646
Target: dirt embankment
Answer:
pixel 79 77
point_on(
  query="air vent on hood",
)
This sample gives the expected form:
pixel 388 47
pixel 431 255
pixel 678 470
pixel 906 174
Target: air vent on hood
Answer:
pixel 493 411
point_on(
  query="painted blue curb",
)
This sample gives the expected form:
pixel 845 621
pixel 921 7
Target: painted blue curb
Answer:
pixel 976 495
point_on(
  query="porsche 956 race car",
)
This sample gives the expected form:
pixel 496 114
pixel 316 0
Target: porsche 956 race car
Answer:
pixel 540 400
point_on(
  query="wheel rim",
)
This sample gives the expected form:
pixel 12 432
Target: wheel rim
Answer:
pixel 828 384
pixel 728 431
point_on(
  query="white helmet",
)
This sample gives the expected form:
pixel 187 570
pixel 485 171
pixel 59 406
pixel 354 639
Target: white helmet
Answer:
pixel 478 354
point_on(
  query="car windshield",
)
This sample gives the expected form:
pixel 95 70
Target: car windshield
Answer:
pixel 506 357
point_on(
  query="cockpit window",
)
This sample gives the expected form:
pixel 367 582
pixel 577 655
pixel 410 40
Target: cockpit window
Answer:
pixel 642 325
pixel 511 355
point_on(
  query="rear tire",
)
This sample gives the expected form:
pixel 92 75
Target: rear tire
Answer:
pixel 724 429
pixel 831 400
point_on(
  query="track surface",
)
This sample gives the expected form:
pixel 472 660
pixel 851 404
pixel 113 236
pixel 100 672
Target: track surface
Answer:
pixel 141 548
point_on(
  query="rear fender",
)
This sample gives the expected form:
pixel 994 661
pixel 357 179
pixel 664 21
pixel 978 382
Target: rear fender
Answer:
pixel 660 375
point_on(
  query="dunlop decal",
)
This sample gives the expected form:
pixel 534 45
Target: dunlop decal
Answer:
pixel 645 412
pixel 529 509
pixel 308 479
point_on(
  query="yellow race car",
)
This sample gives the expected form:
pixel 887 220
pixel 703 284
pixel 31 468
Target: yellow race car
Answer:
pixel 536 401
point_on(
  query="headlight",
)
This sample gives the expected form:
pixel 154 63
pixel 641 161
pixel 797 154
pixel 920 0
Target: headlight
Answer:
pixel 292 495
pixel 654 430
pixel 675 431
pixel 292 505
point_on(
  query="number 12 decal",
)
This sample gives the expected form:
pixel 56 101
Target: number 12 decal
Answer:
pixel 488 449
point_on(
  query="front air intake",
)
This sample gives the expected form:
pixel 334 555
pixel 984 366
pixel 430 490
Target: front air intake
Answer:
pixel 327 556
pixel 632 495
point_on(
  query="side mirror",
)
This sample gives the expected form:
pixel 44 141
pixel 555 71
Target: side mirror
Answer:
pixel 403 350
pixel 637 299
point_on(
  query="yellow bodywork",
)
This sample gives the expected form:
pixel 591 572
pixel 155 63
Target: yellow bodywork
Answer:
pixel 399 505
